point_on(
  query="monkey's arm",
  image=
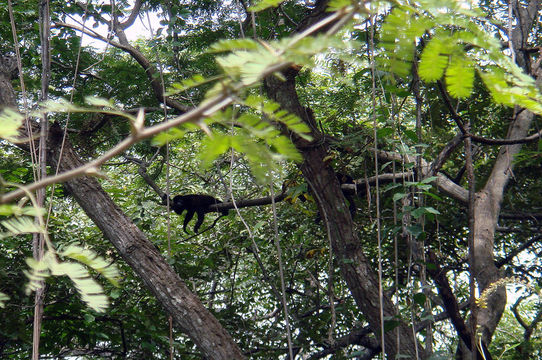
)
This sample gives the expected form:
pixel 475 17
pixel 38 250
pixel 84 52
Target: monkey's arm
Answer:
pixel 201 217
pixel 188 217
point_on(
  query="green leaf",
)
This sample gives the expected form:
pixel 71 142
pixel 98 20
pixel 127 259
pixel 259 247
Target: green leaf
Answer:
pixel 97 101
pixel 390 324
pixel 265 4
pixel 10 122
pixel 213 147
pixel 429 179
pixel 384 132
pixel 272 110
pixel 399 32
pixel 434 196
pixel 234 44
pixel 417 213
pixel 90 291
pixel 411 135
pixel 21 225
pixel 186 84
pixel 168 136
pixel 282 145
pixel 3 299
pixel 248 65
pixel 419 298
pixel 414 230
pixel 335 5
pixel 460 77
pixel 431 210
pixel 94 261
pixel 434 59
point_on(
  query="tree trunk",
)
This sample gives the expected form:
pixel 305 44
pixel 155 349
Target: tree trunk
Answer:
pixel 361 278
pixel 488 200
pixel 135 248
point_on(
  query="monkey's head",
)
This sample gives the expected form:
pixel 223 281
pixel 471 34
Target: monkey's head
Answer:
pixel 178 204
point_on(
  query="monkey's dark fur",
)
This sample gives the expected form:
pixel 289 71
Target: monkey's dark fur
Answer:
pixel 194 204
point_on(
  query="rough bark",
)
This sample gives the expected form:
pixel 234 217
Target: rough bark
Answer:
pixel 488 200
pixel 357 271
pixel 486 212
pixel 136 249
pixel 7 67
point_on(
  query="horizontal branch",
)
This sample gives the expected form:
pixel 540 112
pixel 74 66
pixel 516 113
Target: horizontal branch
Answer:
pixel 480 139
pixel 205 109
pixel 247 203
pixel 515 252
pixel 92 168
pixel 442 183
pixel 521 216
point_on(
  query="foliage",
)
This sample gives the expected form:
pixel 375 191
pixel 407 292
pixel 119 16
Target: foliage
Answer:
pixel 10 121
pixel 241 151
pixel 456 46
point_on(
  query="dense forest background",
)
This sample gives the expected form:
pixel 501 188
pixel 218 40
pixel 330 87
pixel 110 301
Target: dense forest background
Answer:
pixel 376 167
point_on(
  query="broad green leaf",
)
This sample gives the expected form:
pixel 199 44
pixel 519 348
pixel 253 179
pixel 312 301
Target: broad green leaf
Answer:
pixel 384 132
pixel 414 230
pixel 419 298
pixel 417 213
pixel 429 179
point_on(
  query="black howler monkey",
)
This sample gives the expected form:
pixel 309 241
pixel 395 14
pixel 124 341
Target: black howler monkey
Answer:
pixel 195 203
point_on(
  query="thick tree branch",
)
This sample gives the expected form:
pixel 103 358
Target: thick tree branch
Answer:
pixel 480 139
pixel 358 336
pixel 517 250
pixel 150 70
pixel 450 304
pixel 133 15
pixel 442 182
pixel 91 168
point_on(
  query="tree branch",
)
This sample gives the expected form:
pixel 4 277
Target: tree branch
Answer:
pixel 450 304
